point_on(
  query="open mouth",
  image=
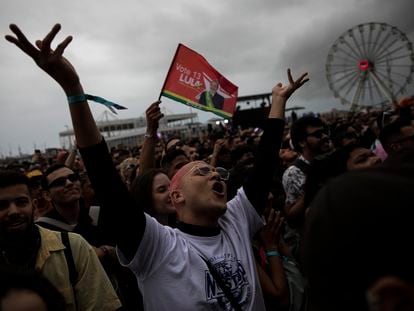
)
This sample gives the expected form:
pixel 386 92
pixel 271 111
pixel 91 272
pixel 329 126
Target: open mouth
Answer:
pixel 218 188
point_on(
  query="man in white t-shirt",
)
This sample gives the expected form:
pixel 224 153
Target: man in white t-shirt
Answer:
pixel 171 263
pixel 219 232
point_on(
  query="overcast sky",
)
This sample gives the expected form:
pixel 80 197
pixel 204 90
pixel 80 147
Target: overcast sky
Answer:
pixel 122 51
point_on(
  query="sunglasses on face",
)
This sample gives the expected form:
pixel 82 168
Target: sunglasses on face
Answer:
pixel 61 181
pixel 318 134
pixel 207 170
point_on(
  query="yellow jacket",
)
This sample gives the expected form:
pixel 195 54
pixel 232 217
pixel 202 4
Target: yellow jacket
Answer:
pixel 93 290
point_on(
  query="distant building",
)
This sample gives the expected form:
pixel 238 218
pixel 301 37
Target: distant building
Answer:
pixel 130 132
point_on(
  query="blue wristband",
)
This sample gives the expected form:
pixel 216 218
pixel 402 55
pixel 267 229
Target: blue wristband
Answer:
pixel 272 253
pixel 75 99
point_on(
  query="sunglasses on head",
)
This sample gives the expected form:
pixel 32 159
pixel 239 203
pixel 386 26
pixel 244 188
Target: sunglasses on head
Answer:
pixel 61 181
pixel 318 134
pixel 207 170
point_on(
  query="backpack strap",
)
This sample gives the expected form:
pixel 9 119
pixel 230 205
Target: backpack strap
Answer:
pixel 73 273
pixel 59 225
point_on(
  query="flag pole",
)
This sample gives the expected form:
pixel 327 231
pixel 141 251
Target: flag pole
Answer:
pixel 172 63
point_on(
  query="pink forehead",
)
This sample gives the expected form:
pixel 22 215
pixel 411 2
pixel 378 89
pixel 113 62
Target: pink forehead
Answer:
pixel 182 172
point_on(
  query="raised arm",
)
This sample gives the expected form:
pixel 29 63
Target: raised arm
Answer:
pixel 218 145
pixel 70 160
pixel 258 185
pixel 120 217
pixel 153 116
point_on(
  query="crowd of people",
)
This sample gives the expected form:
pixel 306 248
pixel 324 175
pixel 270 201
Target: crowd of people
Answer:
pixel 311 214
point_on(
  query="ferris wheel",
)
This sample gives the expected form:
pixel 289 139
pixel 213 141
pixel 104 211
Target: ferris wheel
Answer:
pixel 369 65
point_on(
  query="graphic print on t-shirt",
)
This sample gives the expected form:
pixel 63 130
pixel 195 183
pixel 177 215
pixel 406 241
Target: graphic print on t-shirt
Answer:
pixel 234 275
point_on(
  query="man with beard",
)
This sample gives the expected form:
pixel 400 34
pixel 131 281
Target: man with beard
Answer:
pixel 79 277
pixel 310 138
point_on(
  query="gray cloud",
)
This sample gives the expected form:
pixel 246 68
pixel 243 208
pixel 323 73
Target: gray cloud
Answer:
pixel 123 49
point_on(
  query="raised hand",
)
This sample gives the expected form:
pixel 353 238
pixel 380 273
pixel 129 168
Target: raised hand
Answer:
pixel 153 116
pixel 271 232
pixel 281 93
pixel 285 91
pixel 51 61
pixel 218 145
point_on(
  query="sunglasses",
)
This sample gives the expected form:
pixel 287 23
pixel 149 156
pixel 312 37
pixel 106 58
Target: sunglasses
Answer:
pixel 318 134
pixel 208 170
pixel 61 181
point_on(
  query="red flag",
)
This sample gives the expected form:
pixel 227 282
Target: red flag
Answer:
pixel 191 80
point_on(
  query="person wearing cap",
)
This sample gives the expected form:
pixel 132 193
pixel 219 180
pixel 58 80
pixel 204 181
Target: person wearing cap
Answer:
pixel 206 262
pixel 43 205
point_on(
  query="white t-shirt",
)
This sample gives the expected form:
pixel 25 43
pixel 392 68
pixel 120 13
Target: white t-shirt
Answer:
pixel 293 181
pixel 172 275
